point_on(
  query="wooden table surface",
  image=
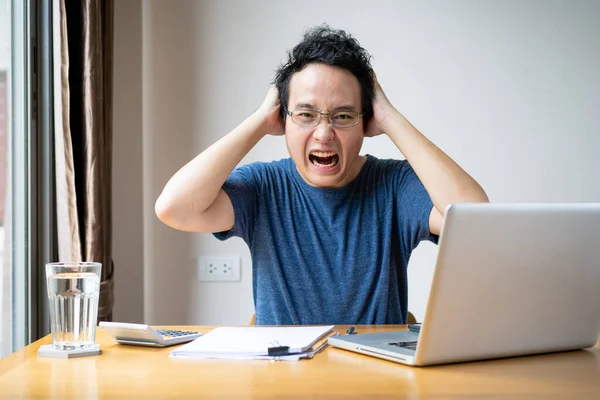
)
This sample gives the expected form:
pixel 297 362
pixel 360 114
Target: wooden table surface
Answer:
pixel 139 372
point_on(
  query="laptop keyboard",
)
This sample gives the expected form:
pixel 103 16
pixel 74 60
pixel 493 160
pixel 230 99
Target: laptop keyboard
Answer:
pixel 405 345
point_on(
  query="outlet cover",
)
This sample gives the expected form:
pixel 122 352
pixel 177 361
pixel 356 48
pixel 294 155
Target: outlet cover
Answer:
pixel 219 268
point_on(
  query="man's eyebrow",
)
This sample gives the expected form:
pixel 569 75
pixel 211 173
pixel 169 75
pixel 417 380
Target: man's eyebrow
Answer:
pixel 305 105
pixel 345 108
pixel 313 107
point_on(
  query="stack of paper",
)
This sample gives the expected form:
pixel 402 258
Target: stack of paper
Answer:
pixel 267 343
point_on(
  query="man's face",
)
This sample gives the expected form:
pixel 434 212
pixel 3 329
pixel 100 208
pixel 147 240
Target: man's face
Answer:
pixel 325 156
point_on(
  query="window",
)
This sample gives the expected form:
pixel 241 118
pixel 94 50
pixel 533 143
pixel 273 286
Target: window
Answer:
pixel 22 122
pixel 12 178
pixel 5 270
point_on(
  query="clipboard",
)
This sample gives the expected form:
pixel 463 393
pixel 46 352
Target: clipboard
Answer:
pixel 254 342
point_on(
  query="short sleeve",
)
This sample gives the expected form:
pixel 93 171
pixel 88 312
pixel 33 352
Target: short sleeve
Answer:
pixel 414 208
pixel 243 188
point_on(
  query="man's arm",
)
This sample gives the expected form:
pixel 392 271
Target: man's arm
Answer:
pixel 445 181
pixel 193 199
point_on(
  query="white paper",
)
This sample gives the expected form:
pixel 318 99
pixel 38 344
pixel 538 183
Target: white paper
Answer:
pixel 254 342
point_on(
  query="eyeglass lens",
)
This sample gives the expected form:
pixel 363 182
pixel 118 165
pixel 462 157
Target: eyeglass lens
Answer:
pixel 340 119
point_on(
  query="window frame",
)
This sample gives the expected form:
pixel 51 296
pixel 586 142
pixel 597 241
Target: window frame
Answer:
pixel 31 163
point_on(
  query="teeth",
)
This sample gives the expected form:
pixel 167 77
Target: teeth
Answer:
pixel 322 153
pixel 316 155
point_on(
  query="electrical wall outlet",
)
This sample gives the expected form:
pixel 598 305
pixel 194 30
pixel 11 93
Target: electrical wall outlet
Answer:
pixel 218 268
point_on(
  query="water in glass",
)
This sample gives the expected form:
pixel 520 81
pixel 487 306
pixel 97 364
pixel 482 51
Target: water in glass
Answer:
pixel 73 301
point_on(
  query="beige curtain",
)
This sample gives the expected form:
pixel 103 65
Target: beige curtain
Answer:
pixel 83 140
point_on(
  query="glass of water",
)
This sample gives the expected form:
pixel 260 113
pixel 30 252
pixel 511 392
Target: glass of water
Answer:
pixel 73 292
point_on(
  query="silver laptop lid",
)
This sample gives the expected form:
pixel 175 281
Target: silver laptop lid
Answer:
pixel 513 279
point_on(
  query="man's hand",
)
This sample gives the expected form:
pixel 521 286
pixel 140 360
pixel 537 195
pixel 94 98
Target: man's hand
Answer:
pixel 382 110
pixel 269 113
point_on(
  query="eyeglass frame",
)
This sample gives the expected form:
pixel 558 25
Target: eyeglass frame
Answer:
pixel 288 112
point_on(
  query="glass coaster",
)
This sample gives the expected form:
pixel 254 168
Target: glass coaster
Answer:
pixel 49 351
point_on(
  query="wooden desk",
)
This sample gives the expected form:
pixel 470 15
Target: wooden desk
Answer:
pixel 137 372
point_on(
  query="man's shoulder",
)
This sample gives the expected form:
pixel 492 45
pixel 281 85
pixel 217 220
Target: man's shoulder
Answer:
pixel 386 164
pixel 263 172
pixel 264 166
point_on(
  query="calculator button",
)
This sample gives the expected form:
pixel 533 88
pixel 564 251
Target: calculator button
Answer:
pixel 167 333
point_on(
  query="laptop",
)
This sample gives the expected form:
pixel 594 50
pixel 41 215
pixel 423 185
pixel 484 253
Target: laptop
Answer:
pixel 510 280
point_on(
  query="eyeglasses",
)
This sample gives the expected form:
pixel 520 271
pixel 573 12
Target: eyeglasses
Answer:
pixel 312 118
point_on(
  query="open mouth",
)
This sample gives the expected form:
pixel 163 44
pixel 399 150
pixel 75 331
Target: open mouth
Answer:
pixel 324 159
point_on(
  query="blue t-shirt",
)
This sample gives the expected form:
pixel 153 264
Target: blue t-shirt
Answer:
pixel 329 255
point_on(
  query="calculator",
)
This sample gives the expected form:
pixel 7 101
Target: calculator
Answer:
pixel 144 335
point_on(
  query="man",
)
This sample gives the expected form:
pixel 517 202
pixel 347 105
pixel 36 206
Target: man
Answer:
pixel 330 231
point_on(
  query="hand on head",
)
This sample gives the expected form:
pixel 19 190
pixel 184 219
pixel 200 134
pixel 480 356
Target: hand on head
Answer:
pixel 269 110
pixel 381 110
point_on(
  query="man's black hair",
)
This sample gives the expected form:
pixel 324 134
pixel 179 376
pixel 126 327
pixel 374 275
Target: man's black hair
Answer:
pixel 325 45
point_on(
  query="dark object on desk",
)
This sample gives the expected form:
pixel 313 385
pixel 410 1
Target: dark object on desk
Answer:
pixel 415 327
pixel 350 331
pixel 279 351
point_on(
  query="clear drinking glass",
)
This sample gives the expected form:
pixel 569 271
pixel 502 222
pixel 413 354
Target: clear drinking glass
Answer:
pixel 73 292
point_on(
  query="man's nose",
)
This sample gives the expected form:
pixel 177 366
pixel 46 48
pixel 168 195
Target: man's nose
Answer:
pixel 324 131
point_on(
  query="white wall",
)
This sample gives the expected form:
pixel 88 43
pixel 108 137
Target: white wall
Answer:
pixel 127 174
pixel 508 89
